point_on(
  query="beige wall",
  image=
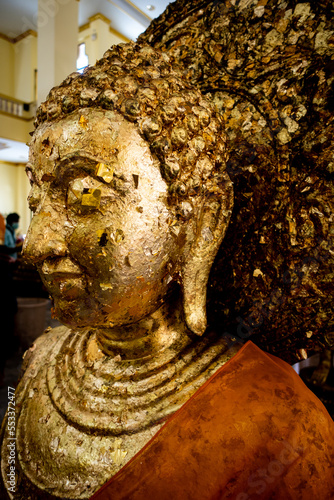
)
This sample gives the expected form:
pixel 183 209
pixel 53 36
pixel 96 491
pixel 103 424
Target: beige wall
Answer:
pixel 19 59
pixel 7 67
pixel 14 128
pixel 98 37
pixel 56 45
pixel 25 64
pixel 14 192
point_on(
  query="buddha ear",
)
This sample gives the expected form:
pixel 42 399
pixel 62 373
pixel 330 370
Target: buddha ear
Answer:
pixel 212 222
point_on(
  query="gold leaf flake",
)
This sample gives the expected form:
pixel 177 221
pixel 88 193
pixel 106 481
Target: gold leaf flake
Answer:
pixel 106 286
pixel 118 454
pixel 257 272
pixel 105 172
pixel 119 235
pixel 92 198
pixel 83 122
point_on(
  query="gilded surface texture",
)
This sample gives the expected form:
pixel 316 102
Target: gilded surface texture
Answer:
pixel 134 167
pixel 269 67
pixel 131 201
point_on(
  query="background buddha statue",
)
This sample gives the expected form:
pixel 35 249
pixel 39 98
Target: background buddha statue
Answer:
pixel 268 65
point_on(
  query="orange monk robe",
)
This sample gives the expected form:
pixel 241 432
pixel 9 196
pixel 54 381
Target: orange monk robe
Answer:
pixel 252 431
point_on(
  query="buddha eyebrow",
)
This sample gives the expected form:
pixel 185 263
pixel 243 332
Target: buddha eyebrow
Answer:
pixel 75 166
pixel 79 156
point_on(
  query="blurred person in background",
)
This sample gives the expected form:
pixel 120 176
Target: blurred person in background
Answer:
pixel 8 301
pixel 11 243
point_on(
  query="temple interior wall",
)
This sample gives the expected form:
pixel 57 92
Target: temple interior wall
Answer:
pixel 7 58
pixel 14 191
pixel 25 66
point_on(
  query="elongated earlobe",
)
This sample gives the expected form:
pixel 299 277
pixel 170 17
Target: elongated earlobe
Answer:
pixel 213 222
pixel 194 295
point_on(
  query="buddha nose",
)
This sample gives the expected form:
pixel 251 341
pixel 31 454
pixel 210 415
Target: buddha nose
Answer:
pixel 45 238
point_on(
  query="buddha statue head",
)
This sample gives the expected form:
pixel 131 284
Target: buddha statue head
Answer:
pixel 129 191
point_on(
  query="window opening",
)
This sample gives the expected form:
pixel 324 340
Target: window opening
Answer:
pixel 82 60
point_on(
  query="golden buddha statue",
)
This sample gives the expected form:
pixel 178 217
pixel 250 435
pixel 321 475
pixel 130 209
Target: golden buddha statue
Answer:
pixel 130 197
pixel 131 202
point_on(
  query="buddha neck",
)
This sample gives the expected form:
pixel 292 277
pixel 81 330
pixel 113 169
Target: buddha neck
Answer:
pixel 146 370
pixel 156 332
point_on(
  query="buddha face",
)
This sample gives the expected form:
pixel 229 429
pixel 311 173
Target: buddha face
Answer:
pixel 100 234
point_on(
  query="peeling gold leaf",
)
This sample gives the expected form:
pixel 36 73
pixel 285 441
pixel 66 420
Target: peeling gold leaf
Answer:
pixel 92 198
pixel 105 172
pixel 83 122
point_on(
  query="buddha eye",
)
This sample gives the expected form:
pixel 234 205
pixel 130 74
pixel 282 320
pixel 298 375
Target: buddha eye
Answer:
pixel 34 198
pixel 74 192
pixel 30 175
pixel 86 194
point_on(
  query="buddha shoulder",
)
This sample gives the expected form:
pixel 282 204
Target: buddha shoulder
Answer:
pixel 44 346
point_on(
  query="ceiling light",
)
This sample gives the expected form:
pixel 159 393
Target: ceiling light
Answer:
pixel 150 7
